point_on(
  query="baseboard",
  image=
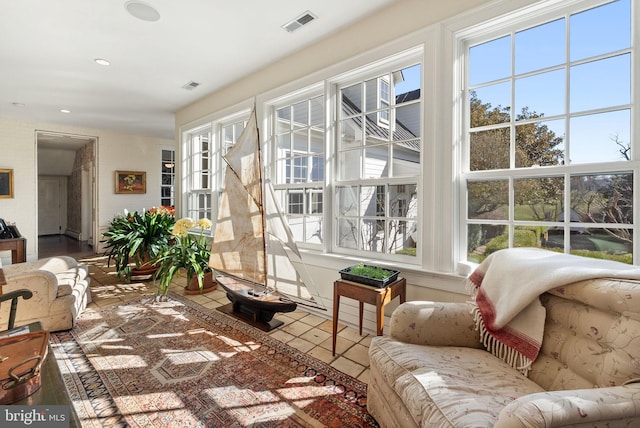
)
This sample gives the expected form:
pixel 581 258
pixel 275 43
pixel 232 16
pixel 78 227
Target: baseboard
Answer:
pixel 73 234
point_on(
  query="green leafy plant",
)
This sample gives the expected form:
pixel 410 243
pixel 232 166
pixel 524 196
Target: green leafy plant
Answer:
pixel 138 238
pixel 375 272
pixel 187 251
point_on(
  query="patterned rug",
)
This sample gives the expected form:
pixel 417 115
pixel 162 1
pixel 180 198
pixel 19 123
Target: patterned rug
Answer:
pixel 178 364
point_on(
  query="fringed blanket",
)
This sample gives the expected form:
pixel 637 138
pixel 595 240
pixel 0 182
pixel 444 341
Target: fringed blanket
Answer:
pixel 506 287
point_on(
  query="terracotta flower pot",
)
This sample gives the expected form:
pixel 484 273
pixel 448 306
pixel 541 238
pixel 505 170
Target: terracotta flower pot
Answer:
pixel 208 284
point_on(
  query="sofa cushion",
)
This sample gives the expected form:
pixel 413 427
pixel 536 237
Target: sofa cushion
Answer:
pixel 448 386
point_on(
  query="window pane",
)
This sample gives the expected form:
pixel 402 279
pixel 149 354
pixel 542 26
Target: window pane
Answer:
pixel 317 169
pixel 490 105
pixel 352 100
pixel 300 142
pixel 602 198
pixel 488 200
pixel 376 162
pixel 372 201
pixel 527 236
pixel 348 233
pixel 317 112
pixel 375 133
pixel 611 87
pixel 406 159
pixel 348 200
pixel 313 229
pixel 373 94
pixel 540 144
pixel 315 200
pixel 349 164
pixel 600 30
pixel 540 47
pixel 540 94
pixel 295 203
pixel 604 137
pixel 538 199
pixel 484 239
pixel 489 149
pixel 350 134
pixel 373 235
pixel 300 115
pixel 407 122
pixel 490 61
pixel 296 225
pixel 610 243
pixel 407 84
pixel 403 200
pixel 402 237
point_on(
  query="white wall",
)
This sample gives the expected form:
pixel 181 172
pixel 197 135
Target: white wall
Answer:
pixel 114 152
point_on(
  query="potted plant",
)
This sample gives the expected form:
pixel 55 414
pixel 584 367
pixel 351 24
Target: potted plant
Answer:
pixel 186 252
pixel 138 238
pixel 369 275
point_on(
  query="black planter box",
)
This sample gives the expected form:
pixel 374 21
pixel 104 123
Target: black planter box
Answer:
pixel 378 283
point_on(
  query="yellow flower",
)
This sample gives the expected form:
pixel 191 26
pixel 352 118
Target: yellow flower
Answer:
pixel 182 226
pixel 204 223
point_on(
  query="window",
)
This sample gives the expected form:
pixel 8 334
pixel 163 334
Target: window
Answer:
pixel 379 163
pixel 300 166
pixel 199 164
pixel 168 176
pixel 549 159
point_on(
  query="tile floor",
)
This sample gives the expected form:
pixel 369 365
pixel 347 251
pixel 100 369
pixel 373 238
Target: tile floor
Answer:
pixel 302 330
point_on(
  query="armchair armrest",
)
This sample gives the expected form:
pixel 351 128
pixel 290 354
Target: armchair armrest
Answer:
pixel 50 264
pixel 583 407
pixel 43 284
pixel 435 324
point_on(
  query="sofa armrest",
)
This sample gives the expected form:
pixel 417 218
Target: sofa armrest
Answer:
pixel 583 407
pixel 435 324
pixel 42 283
pixel 51 264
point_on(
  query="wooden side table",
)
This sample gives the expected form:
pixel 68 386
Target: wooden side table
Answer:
pixel 366 294
pixel 18 248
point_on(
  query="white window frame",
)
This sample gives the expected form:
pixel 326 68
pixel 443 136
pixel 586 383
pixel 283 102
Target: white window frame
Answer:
pixel 500 25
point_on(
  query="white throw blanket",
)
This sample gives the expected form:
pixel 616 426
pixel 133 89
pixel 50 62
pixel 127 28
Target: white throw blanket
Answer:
pixel 506 287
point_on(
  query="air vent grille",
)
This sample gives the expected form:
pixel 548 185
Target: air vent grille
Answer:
pixel 190 85
pixel 301 20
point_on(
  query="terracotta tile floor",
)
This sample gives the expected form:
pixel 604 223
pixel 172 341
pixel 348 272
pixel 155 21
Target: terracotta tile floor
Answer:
pixel 302 330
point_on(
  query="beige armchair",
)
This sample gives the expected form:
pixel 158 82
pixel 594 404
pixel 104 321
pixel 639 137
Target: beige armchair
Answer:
pixel 60 288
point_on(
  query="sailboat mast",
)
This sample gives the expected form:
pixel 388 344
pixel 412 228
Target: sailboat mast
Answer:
pixel 262 207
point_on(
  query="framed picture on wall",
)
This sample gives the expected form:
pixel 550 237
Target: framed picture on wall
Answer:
pixel 134 182
pixel 6 183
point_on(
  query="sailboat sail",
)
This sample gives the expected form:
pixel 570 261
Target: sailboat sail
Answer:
pixel 251 236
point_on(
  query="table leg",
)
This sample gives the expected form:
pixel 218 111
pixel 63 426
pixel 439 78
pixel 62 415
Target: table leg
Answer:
pixel 361 312
pixel 336 304
pixel 379 316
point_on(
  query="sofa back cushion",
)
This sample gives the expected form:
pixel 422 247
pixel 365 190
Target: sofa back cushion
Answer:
pixel 591 337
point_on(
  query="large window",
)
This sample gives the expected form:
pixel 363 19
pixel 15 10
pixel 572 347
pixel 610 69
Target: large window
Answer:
pixel 300 166
pixel 378 156
pixel 549 155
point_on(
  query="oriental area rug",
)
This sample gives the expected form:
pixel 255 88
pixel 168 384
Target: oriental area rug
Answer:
pixel 178 364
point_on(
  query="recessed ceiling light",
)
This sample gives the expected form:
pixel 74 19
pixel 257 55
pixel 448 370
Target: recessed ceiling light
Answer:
pixel 102 61
pixel 64 110
pixel 142 10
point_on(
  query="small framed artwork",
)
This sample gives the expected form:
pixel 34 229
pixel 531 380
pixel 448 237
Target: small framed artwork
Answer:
pixel 6 183
pixel 133 182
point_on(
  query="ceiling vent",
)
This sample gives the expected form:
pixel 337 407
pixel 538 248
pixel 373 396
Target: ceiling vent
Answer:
pixel 303 19
pixel 191 85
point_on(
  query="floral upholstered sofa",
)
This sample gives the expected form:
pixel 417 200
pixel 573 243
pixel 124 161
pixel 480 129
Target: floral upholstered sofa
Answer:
pixel 60 287
pixel 433 371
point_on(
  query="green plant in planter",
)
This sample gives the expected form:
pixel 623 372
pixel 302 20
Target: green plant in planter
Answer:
pixel 375 272
pixel 186 251
pixel 138 238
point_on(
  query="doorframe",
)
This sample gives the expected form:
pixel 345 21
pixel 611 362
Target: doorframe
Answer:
pixel 89 195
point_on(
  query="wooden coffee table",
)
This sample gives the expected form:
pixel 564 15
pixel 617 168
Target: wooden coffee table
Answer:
pixel 366 294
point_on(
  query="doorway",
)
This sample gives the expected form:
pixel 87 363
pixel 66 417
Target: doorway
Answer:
pixel 67 199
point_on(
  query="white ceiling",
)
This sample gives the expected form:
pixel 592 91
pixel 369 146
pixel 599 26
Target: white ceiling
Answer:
pixel 47 52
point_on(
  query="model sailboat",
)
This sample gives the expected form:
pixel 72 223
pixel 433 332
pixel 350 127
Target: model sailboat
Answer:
pixel 251 239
